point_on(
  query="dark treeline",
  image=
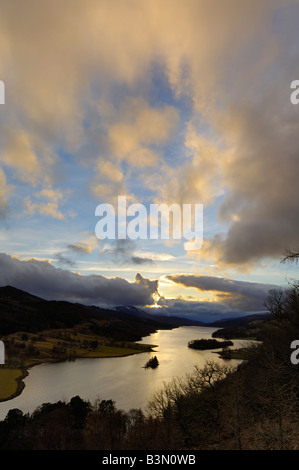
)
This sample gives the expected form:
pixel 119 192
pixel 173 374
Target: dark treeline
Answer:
pixel 255 406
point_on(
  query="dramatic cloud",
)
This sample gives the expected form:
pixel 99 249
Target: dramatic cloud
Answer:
pixel 43 279
pixel 175 102
pixel 237 295
pixel 261 176
pixel 196 310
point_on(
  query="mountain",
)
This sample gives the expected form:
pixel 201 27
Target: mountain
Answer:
pixel 22 311
pixel 8 293
pixel 170 320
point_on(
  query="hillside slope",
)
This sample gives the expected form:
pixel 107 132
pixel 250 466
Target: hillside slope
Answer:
pixel 22 311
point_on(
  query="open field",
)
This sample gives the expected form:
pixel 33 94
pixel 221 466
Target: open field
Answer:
pixel 10 380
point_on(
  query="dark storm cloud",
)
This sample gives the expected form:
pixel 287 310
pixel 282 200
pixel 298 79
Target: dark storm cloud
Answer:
pixel 236 295
pixel 261 206
pixel 43 279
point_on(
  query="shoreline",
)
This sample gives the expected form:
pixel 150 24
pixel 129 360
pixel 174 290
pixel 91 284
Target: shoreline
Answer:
pixel 20 385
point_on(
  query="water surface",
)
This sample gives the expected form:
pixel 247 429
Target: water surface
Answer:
pixel 122 379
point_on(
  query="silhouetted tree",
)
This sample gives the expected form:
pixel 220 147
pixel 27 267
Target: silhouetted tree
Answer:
pixel 291 256
pixel 79 410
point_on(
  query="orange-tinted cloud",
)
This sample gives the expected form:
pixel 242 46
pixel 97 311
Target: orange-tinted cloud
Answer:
pixel 78 78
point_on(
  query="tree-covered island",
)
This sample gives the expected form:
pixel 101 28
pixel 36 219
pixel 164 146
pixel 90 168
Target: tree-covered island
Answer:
pixel 203 344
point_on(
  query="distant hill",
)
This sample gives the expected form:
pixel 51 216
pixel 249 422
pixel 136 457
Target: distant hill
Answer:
pixel 240 321
pixel 249 326
pixel 9 293
pixel 22 311
pixel 170 320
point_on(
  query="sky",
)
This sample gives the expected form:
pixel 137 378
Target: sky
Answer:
pixel 165 103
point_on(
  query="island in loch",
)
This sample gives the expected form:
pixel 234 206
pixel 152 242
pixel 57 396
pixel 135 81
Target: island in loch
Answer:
pixel 203 344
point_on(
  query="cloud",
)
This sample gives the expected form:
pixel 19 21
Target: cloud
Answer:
pixel 110 171
pixel 147 284
pixel 63 260
pixel 132 136
pixel 81 80
pixel 85 246
pixel 20 155
pixel 80 247
pixel 138 128
pixel 4 193
pixel 126 251
pixel 120 249
pixel 48 208
pixel 197 310
pixel 260 177
pixel 198 179
pixel 236 295
pixel 41 278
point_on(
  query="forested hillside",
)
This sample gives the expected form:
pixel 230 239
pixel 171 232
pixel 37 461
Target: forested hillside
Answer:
pixel 21 311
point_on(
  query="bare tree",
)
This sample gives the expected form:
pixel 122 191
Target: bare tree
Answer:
pixel 291 256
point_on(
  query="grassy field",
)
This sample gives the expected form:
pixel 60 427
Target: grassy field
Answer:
pixel 10 382
pixel 24 350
